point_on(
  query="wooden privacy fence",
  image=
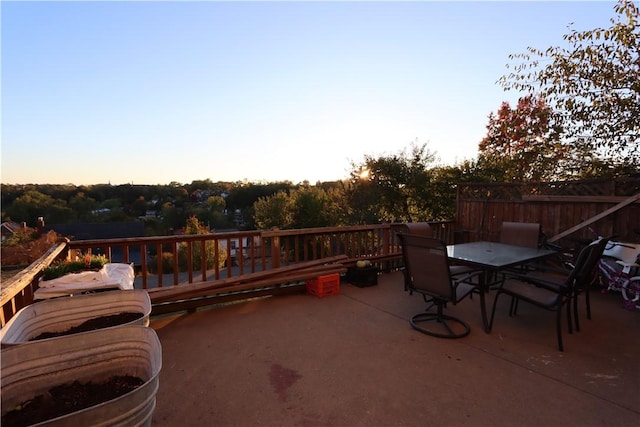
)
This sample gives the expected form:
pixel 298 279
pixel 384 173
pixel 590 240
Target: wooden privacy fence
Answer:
pixel 611 207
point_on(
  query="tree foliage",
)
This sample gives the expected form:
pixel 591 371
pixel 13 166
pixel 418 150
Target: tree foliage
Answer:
pixel 393 188
pixel 273 211
pixel 194 227
pixel 305 207
pixel 34 204
pixel 523 143
pixel 593 84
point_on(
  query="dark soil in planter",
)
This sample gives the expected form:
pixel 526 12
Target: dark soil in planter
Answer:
pixel 65 399
pixel 93 324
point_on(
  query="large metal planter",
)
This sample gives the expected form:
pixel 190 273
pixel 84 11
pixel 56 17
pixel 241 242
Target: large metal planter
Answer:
pixel 34 368
pixel 60 314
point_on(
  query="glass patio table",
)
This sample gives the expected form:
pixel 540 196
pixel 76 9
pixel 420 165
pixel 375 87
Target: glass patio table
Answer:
pixel 491 258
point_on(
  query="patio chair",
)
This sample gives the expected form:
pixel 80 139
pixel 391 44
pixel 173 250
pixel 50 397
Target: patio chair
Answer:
pixel 428 273
pixel 556 277
pixel 424 229
pixel 520 234
pixel 418 228
pixel 546 291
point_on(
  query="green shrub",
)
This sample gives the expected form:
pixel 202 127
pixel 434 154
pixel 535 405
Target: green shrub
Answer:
pixel 86 263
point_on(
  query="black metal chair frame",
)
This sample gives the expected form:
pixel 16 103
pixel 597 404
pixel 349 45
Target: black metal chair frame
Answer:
pixel 582 285
pixel 427 276
pixel 549 294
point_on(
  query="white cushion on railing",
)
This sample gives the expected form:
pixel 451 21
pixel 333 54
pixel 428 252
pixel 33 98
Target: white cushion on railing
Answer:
pixel 110 276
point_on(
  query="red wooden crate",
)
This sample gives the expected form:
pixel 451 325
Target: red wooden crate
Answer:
pixel 324 285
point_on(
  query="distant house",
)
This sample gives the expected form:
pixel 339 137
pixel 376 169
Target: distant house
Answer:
pixel 9 228
pixel 150 214
pixel 101 231
pixel 235 244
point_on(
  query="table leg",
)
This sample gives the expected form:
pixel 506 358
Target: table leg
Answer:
pixel 484 288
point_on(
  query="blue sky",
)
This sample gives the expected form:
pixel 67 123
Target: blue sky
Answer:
pixel 154 92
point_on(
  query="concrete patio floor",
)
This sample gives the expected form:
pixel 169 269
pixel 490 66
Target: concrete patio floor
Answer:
pixel 353 360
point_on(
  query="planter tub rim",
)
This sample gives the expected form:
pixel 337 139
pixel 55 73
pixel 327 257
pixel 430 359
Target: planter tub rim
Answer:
pixel 60 314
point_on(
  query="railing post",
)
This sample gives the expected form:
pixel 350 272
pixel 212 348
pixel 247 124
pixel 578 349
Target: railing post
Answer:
pixel 275 248
pixel 143 264
pixel 159 264
pixel 386 241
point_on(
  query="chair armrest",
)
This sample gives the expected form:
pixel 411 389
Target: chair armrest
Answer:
pixel 466 277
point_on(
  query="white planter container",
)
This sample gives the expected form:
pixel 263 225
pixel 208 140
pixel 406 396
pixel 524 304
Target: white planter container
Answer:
pixel 60 314
pixel 34 368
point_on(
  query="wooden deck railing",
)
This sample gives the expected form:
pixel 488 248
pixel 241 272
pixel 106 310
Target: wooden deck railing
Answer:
pixel 163 261
pixel 17 292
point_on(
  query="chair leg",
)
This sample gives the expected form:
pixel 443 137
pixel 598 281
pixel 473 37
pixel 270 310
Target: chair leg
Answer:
pixel 429 301
pixel 586 297
pixel 559 327
pixel 575 312
pixel 513 307
pixel 493 310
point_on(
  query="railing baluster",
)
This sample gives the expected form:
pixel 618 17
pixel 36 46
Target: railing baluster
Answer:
pixel 175 264
pixel 190 261
pixel 143 264
pixel 229 258
pixel 159 264
pixel 240 256
pixel 203 258
pixel 216 257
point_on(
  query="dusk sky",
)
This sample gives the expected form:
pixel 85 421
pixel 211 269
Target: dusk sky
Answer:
pixel 152 92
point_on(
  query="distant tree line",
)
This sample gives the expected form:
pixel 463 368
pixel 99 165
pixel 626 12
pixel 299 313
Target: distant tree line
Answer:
pixel 407 186
pixel 218 205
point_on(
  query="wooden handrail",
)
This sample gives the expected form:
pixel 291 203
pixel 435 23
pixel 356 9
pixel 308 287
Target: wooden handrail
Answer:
pixel 22 285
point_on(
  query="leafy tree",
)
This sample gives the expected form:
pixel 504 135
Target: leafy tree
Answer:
pixel 139 207
pixel 523 143
pixel 211 212
pixel 305 207
pixel 33 204
pixel 216 203
pixel 193 226
pixel 173 216
pixel 314 207
pixel 360 195
pixel 83 206
pixel 392 188
pixel 214 219
pixel 273 211
pixel 593 84
pixel 242 196
pixel 338 208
